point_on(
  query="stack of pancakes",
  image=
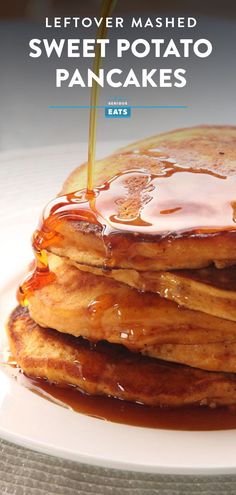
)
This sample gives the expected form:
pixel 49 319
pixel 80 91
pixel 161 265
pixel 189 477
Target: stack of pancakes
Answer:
pixel 156 323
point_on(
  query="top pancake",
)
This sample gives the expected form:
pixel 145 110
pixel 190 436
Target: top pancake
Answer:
pixel 206 147
pixel 188 223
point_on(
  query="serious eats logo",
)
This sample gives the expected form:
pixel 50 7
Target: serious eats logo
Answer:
pixel 117 108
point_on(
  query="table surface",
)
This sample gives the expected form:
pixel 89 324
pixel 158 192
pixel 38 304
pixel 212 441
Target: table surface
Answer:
pixel 24 472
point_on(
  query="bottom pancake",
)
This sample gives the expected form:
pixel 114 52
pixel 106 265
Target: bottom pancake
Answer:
pixel 107 369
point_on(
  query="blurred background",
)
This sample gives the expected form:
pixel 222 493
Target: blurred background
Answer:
pixel 34 9
pixel 27 86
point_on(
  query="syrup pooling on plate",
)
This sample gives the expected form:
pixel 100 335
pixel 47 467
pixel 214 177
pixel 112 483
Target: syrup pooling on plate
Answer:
pixel 189 418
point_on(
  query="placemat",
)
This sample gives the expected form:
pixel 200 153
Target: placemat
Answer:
pixel 24 472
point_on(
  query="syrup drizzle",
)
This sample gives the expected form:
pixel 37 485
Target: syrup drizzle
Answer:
pixel 40 275
pixel 107 8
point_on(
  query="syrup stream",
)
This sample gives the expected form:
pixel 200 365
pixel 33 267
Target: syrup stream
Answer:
pixel 107 8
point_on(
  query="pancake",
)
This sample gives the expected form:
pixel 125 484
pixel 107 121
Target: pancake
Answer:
pixel 211 357
pixel 99 308
pixel 164 203
pixel 112 370
pixel 209 290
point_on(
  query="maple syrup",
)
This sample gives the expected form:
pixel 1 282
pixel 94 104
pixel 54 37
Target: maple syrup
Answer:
pixel 163 204
pixel 107 8
pixel 188 418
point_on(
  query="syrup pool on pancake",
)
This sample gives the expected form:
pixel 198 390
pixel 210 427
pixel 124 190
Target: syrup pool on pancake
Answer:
pixel 176 200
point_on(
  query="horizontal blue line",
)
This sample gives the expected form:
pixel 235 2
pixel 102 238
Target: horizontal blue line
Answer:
pixel 122 106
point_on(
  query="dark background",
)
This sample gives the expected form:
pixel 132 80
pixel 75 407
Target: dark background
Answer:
pixel 34 9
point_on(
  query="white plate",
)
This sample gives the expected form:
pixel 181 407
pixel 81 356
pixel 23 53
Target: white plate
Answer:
pixel 31 421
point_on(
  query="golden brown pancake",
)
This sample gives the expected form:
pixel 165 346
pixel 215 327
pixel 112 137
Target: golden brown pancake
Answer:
pixel 212 357
pixel 209 290
pixel 210 147
pixel 98 308
pixel 112 370
pixel 185 181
